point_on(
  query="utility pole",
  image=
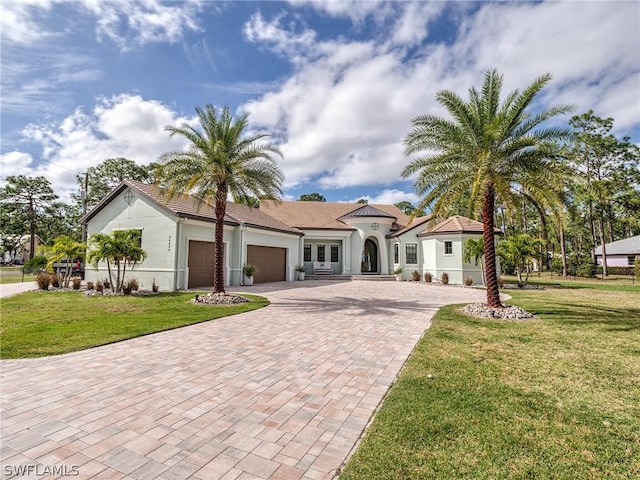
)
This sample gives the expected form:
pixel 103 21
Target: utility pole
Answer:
pixel 85 199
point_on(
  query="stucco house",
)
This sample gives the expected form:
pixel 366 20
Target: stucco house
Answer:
pixel 621 253
pixel 329 238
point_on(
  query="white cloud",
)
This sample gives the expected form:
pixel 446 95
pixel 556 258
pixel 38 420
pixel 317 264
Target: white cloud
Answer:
pixel 150 21
pixel 343 113
pixel 122 126
pixel 18 22
pixel 126 23
pixel 411 27
pixel 17 163
pixel 357 11
pixel 290 40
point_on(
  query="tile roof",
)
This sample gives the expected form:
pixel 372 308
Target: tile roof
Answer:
pixel 415 223
pixel 189 206
pixel 455 224
pixel 322 215
pixel 626 246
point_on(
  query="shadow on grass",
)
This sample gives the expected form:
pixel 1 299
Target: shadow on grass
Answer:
pixel 615 319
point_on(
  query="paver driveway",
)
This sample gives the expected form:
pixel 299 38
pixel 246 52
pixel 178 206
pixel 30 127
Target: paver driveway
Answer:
pixel 279 393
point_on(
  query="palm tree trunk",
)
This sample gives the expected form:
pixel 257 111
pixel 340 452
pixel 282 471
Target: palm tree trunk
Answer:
pixel 110 276
pixel 605 273
pixel 221 207
pixel 563 252
pixel 32 230
pixel 488 237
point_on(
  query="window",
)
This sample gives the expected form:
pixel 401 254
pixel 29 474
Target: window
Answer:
pixel 631 259
pixel 320 250
pixel 396 253
pixel 334 254
pixel 448 248
pixel 411 251
pixel 307 252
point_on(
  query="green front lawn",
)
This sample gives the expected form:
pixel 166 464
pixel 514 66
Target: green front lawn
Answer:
pixel 557 397
pixel 39 323
pixel 14 275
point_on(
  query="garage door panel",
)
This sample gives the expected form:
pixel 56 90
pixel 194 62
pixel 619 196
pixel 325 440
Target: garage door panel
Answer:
pixel 271 263
pixel 201 262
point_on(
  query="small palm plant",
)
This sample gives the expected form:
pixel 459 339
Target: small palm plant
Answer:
pixel 120 248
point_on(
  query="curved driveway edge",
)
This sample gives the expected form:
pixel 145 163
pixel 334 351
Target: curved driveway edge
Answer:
pixel 282 392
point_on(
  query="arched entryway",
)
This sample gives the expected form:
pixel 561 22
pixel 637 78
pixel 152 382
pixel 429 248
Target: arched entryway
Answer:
pixel 370 257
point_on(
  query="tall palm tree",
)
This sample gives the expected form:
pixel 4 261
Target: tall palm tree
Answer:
pixel 222 159
pixel 488 147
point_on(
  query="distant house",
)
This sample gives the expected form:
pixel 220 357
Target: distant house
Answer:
pixel 325 238
pixel 621 253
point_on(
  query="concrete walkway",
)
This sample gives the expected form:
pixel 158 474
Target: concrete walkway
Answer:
pixel 279 393
pixel 14 288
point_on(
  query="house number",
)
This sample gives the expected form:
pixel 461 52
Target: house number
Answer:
pixel 169 246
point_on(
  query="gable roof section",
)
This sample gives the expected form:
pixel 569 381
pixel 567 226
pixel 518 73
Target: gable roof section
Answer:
pixel 455 224
pixel 626 246
pixel 323 215
pixel 188 206
pixel 415 223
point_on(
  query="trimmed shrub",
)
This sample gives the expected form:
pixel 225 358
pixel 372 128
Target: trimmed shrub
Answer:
pixel 99 286
pixel 616 270
pixel 586 269
pixel 89 285
pixel 445 278
pixel 44 280
pixel 468 281
pixel 76 282
pixel 415 275
pixel 636 266
pixel 428 277
pixel 55 281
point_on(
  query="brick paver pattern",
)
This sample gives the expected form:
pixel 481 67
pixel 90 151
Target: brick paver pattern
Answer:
pixel 284 392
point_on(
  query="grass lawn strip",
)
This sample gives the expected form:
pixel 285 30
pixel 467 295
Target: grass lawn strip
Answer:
pixel 555 397
pixel 36 324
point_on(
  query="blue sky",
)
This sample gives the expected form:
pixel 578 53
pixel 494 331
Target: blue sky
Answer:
pixel 335 82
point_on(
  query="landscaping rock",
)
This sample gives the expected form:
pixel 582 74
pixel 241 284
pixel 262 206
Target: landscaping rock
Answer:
pixel 219 299
pixel 509 312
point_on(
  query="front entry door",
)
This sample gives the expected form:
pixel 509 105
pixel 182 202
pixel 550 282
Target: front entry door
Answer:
pixel 369 257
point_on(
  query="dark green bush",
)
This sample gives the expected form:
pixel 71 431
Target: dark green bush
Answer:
pixel 586 269
pixel 556 266
pixel 36 263
pixel 615 270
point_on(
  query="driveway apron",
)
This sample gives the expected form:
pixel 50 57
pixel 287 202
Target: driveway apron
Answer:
pixel 283 392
